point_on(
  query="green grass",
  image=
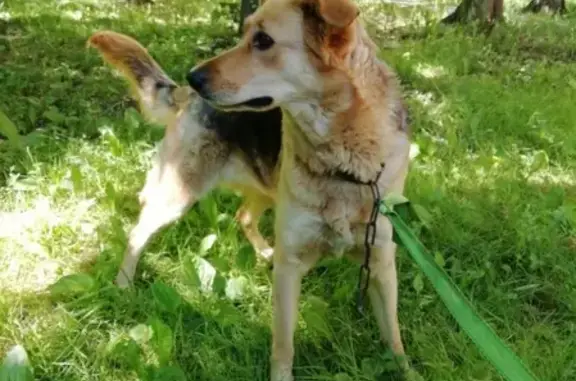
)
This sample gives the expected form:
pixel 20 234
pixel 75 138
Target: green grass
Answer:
pixel 493 118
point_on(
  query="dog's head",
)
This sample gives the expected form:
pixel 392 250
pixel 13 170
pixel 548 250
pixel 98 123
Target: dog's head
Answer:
pixel 288 50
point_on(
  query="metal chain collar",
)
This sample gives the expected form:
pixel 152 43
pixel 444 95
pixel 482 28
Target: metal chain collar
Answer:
pixel 369 240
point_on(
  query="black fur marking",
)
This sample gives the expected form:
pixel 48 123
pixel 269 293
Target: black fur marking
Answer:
pixel 164 84
pixel 258 135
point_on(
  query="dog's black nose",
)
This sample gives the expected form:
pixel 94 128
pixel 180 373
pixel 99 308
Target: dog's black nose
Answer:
pixel 198 80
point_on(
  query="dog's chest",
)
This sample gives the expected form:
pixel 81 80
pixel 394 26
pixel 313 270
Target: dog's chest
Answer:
pixel 313 118
pixel 341 209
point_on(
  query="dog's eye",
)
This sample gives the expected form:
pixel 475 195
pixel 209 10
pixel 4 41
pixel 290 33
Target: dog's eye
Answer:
pixel 262 41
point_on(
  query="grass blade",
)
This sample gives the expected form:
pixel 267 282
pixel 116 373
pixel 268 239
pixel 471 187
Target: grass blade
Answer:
pixel 8 129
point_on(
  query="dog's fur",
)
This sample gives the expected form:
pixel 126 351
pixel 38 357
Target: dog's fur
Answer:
pixel 202 148
pixel 342 114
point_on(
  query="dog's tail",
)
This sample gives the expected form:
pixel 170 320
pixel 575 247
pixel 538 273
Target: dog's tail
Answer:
pixel 159 96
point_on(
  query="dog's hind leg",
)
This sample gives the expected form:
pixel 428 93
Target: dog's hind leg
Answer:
pixel 248 216
pixel 153 217
pixel 163 203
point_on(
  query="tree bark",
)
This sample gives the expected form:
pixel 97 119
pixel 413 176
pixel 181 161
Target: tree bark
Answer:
pixel 141 2
pixel 246 9
pixel 554 6
pixel 482 10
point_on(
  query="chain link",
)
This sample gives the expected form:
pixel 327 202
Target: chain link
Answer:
pixel 369 240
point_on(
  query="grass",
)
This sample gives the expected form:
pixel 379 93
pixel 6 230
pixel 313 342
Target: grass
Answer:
pixel 493 120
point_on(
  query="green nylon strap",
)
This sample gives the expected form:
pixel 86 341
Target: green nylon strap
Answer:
pixel 489 344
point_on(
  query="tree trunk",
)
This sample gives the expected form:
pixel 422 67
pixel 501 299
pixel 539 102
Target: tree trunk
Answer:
pixel 141 2
pixel 246 9
pixel 482 10
pixel 554 6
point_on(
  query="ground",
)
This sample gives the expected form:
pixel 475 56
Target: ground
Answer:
pixel 493 169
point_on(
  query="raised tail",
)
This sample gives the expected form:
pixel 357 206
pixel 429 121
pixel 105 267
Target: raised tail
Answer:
pixel 159 96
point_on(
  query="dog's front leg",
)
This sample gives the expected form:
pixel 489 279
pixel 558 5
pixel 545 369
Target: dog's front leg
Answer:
pixel 383 289
pixel 287 280
pixel 295 253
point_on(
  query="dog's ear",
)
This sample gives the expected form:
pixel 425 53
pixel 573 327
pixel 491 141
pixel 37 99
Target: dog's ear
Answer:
pixel 336 13
pixel 329 27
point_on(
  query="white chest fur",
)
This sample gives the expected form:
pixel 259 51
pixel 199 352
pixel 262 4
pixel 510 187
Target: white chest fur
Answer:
pixel 310 117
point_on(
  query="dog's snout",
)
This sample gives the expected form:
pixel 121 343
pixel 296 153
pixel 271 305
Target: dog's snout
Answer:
pixel 198 80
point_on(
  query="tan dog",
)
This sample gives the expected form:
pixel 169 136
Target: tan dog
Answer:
pixel 343 116
pixel 202 148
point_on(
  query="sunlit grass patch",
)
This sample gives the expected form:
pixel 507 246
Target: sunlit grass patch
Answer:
pixel 51 224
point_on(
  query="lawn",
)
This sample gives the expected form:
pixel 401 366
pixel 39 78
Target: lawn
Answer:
pixel 493 122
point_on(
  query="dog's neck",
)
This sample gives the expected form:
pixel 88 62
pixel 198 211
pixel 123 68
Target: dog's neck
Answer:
pixel 343 128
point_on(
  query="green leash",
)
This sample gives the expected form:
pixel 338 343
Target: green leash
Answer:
pixel 490 345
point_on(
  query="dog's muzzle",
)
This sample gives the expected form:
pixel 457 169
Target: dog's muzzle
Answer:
pixel 198 79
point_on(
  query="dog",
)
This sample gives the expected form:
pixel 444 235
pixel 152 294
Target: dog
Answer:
pixel 203 148
pixel 344 126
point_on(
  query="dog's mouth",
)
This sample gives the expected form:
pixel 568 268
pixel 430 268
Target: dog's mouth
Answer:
pixel 254 103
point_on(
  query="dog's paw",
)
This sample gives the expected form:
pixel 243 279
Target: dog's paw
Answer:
pixel 412 375
pixel 281 373
pixel 405 371
pixel 266 254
